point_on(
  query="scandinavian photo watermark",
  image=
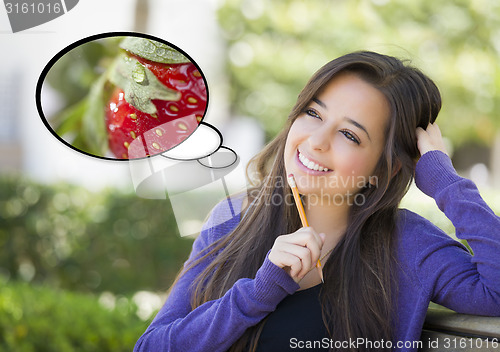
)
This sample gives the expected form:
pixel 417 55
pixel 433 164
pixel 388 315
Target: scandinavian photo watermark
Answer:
pixel 321 190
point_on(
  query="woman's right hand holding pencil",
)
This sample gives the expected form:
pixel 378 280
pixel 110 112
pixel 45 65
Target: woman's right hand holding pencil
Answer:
pixel 297 252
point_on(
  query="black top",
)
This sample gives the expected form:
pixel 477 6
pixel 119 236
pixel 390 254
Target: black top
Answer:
pixel 296 324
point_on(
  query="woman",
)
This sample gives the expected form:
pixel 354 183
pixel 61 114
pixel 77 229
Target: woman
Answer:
pixel 352 142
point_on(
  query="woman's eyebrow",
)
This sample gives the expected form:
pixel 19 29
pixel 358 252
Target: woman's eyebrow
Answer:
pixel 320 103
pixel 358 125
pixel 348 119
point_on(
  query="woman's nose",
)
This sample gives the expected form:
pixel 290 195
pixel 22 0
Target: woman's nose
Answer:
pixel 320 139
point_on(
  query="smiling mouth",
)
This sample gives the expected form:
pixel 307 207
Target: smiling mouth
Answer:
pixel 311 165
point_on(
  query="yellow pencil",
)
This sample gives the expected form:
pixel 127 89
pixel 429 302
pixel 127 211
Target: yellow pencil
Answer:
pixel 302 214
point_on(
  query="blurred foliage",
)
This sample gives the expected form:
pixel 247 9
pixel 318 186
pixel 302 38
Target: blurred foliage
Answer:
pixel 35 318
pixel 67 237
pixel 275 46
pixel 73 74
pixel 79 79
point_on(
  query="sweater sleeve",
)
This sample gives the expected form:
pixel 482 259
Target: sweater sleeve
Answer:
pixel 217 324
pixel 453 277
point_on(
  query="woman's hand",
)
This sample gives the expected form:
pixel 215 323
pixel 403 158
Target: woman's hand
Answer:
pixel 297 252
pixel 430 139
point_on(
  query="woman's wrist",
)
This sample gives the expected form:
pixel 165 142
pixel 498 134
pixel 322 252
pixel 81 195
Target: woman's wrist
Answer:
pixel 271 277
pixel 434 171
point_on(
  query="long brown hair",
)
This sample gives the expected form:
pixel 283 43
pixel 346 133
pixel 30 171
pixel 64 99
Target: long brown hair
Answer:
pixel 358 296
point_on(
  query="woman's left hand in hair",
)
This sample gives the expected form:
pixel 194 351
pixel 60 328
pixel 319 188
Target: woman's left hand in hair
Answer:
pixel 430 139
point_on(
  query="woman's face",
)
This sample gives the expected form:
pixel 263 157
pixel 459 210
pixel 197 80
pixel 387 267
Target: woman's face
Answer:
pixel 333 147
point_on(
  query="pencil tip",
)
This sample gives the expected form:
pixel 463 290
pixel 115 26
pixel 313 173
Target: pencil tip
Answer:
pixel 321 274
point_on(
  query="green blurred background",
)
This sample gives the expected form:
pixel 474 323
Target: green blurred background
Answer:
pixel 86 270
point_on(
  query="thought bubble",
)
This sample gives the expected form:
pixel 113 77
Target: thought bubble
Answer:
pixel 206 140
pixel 121 96
pixel 174 176
pixel 223 158
pixel 191 187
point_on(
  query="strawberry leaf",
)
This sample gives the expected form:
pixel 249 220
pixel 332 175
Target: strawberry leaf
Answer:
pixel 69 120
pixel 153 50
pixel 93 120
pixel 139 84
pixel 83 124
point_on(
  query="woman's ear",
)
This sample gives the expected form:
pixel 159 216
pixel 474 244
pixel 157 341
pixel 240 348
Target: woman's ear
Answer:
pixel 397 167
pixel 373 181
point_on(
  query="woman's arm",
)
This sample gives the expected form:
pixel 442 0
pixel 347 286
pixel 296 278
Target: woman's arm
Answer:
pixel 217 324
pixel 456 279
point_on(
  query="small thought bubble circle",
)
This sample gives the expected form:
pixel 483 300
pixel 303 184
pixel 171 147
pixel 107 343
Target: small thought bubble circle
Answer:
pixel 223 158
pixel 122 96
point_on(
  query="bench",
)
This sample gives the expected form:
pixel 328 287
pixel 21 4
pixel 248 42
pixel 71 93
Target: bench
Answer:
pixel 446 330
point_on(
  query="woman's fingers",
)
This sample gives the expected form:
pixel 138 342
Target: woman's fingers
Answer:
pixel 297 252
pixel 292 264
pixel 430 139
pixel 306 236
pixel 305 259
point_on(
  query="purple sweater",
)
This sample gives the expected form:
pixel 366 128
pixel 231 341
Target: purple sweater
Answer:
pixel 432 267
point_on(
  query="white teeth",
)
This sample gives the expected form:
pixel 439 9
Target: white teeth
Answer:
pixel 311 164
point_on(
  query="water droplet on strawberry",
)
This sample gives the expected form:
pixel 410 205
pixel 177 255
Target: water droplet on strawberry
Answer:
pixel 149 48
pixel 139 75
pixel 160 51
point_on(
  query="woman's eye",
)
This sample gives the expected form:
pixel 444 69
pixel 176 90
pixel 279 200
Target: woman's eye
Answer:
pixel 313 113
pixel 350 136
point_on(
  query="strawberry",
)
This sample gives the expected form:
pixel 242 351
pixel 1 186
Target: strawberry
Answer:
pixel 125 122
pixel 164 123
pixel 149 98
